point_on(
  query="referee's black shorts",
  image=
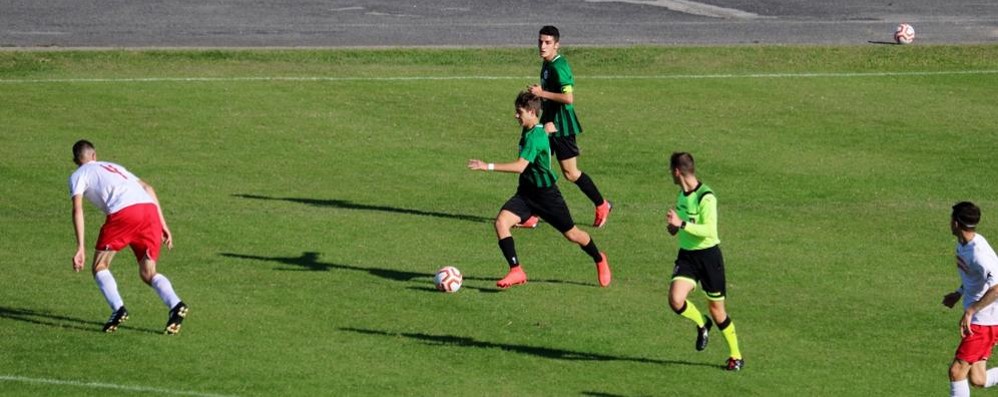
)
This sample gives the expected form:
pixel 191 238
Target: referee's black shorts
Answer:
pixel 705 266
pixel 547 203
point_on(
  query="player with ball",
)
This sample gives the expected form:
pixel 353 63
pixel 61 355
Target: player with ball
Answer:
pixel 536 194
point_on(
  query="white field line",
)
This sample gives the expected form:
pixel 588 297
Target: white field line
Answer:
pixel 453 78
pixel 141 389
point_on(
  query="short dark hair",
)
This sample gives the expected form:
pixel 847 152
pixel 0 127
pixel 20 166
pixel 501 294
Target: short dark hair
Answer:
pixel 526 100
pixel 81 148
pixel 552 31
pixel 966 214
pixel 683 162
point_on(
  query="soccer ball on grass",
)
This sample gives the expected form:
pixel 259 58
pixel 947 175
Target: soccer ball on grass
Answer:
pixel 448 279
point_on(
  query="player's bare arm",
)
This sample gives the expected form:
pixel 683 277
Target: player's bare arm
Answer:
pixel 515 167
pixel 968 314
pixel 167 234
pixel 78 226
pixel 567 98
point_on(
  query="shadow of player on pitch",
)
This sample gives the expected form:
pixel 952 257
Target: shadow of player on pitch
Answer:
pixel 309 261
pixel 60 321
pixel 368 207
pixel 539 351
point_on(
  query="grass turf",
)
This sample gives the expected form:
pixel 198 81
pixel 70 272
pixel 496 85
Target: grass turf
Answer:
pixel 310 215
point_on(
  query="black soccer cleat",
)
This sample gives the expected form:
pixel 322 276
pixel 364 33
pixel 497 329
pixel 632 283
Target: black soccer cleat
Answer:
pixel 735 364
pixel 177 316
pixel 702 334
pixel 119 316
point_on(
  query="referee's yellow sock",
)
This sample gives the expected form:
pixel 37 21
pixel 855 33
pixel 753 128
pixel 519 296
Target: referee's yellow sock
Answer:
pixel 728 330
pixel 689 310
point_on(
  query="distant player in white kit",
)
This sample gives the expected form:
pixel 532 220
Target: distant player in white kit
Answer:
pixel 978 267
pixel 134 218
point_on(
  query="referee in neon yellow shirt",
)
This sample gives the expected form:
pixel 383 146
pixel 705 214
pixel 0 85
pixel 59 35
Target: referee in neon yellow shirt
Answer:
pixel 695 221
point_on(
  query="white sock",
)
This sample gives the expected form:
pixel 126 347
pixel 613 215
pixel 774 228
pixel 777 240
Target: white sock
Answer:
pixel 959 388
pixel 992 377
pixel 165 290
pixel 109 287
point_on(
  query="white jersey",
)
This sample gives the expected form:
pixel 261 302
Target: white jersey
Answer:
pixel 978 267
pixel 108 185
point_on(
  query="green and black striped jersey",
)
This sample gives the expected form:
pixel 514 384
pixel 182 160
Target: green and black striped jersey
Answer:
pixel 536 149
pixel 556 76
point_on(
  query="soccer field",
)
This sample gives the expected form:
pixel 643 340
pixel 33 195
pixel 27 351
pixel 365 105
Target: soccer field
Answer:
pixel 313 194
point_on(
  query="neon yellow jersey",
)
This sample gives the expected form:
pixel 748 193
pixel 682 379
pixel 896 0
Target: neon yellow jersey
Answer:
pixel 699 209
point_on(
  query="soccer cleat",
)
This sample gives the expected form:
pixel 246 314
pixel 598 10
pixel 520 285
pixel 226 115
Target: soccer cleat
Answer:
pixel 516 276
pixel 702 333
pixel 530 223
pixel 602 213
pixel 735 364
pixel 119 316
pixel 603 271
pixel 177 316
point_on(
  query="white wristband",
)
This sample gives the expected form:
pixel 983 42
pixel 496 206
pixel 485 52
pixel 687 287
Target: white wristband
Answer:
pixel 492 166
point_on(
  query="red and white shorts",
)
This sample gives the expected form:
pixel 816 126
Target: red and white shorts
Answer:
pixel 137 226
pixel 978 346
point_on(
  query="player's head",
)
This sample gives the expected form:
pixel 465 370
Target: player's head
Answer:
pixel 83 151
pixel 965 217
pixel 547 42
pixel 528 107
pixel 680 165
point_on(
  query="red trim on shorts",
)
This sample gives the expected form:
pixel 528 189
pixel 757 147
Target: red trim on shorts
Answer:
pixel 978 346
pixel 136 226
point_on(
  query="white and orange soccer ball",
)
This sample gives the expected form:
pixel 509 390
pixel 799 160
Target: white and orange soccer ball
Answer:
pixel 904 34
pixel 448 279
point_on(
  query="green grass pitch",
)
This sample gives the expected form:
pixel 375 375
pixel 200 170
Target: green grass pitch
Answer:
pixel 310 214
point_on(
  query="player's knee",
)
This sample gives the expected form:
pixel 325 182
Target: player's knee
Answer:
pixel 977 381
pixel 957 371
pixel 676 303
pixel 717 311
pixel 577 236
pixel 147 276
pixel 503 225
pixel 572 175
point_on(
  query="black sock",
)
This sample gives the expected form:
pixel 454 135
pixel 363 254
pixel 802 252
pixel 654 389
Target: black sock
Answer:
pixel 585 183
pixel 592 250
pixel 724 324
pixel 509 251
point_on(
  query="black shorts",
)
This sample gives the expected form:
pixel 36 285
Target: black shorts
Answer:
pixel 547 203
pixel 705 266
pixel 564 147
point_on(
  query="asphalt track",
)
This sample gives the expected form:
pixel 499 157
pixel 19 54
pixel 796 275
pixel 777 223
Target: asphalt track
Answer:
pixel 389 23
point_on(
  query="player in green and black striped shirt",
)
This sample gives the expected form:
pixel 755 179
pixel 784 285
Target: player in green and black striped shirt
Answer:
pixel 699 259
pixel 558 117
pixel 536 194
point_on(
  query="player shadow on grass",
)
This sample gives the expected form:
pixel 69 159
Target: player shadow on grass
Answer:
pixel 309 261
pixel 368 207
pixel 60 321
pixel 539 351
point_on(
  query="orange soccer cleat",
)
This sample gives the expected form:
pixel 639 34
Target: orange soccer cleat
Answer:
pixel 602 213
pixel 530 223
pixel 603 271
pixel 516 276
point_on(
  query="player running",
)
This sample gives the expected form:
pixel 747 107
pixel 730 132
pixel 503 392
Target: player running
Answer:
pixel 977 265
pixel 536 194
pixel 560 121
pixel 699 259
pixel 134 218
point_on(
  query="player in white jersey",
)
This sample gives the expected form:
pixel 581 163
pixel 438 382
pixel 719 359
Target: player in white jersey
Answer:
pixel 978 267
pixel 134 218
